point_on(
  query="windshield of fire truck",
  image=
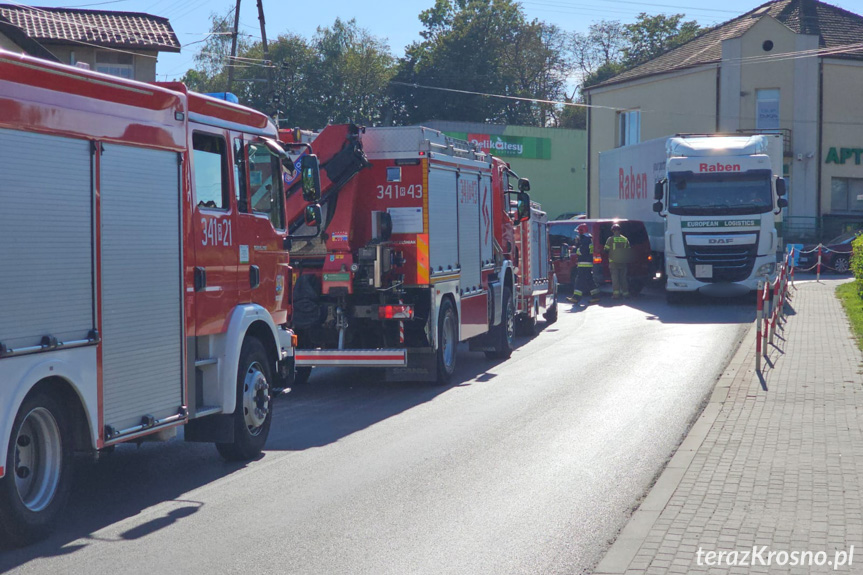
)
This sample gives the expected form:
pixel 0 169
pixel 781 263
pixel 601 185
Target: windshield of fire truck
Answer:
pixel 702 194
pixel 265 184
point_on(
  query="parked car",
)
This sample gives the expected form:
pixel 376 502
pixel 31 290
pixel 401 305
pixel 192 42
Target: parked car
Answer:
pixel 570 216
pixel 562 239
pixel 836 258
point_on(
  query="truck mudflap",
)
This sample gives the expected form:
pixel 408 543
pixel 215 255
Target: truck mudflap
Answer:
pixel 351 357
pixel 421 366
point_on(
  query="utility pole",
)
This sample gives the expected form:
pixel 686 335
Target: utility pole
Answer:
pixel 234 46
pixel 267 56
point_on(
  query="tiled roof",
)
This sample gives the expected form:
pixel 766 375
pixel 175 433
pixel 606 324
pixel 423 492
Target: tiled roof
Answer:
pixel 100 27
pixel 834 26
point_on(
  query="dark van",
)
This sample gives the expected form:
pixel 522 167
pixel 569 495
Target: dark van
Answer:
pixel 562 239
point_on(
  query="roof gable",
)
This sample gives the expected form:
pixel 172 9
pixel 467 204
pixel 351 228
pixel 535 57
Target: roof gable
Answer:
pixel 834 27
pixel 93 27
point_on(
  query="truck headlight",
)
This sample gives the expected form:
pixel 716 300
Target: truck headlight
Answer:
pixel 766 270
pixel 676 271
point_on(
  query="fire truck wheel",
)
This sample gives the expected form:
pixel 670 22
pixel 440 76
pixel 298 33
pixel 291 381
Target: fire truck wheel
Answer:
pixel 447 337
pixel 503 335
pixel 38 468
pixel 254 411
pixel 302 375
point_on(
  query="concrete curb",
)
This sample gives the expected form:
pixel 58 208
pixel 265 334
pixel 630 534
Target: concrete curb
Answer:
pixel 635 533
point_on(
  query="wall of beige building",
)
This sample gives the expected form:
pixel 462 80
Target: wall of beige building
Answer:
pixel 758 61
pixel 842 129
pixel 677 102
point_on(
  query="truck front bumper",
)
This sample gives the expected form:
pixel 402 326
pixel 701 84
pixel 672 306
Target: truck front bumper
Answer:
pixel 680 278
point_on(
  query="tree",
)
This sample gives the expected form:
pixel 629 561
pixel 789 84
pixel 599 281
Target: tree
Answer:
pixel 486 47
pixel 603 44
pixel 212 59
pixel 354 70
pixel 650 36
pixel 341 75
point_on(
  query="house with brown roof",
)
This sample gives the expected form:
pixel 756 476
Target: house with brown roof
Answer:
pixel 125 44
pixel 789 66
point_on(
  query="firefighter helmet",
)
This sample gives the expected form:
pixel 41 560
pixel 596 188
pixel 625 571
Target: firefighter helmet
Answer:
pixel 582 228
pixel 615 226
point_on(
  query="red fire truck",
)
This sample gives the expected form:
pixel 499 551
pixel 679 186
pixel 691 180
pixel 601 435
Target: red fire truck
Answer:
pixel 537 283
pixel 145 278
pixel 416 254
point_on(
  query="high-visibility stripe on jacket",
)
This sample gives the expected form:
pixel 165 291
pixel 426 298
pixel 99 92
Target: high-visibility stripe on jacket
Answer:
pixel 614 245
pixel 584 251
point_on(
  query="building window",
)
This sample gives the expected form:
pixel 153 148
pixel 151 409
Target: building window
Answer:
pixel 767 109
pixel 846 195
pixel 116 63
pixel 629 127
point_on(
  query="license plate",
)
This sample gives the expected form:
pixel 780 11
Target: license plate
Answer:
pixel 704 271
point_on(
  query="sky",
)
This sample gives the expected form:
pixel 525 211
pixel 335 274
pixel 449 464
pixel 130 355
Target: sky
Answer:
pixel 394 20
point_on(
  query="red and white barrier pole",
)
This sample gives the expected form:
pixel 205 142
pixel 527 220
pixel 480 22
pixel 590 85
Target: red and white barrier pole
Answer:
pixel 774 310
pixel 818 272
pixel 766 314
pixel 758 313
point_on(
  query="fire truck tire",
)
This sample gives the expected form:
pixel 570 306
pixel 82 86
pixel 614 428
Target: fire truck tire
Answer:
pixel 302 375
pixel 38 470
pixel 503 335
pixel 447 337
pixel 254 411
pixel 550 314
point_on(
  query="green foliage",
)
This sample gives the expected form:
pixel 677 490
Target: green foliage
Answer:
pixel 341 75
pixel 488 47
pixel 650 36
pixel 609 47
pixel 853 304
pixel 857 263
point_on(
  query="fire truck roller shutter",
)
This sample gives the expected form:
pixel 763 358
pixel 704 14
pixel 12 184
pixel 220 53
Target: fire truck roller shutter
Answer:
pixel 486 221
pixel 469 231
pixel 142 329
pixel 46 233
pixel 443 238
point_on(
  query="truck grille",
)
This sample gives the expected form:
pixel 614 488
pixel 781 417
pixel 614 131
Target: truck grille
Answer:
pixel 730 263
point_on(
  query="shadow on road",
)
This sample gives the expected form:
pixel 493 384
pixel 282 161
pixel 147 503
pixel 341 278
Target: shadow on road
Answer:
pixel 338 402
pixel 121 484
pixel 692 308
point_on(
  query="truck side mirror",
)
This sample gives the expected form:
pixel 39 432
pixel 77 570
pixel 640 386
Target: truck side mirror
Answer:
pixel 310 174
pixel 782 203
pixel 313 216
pixel 657 207
pixel 523 185
pixel 658 189
pixel 522 207
pixel 780 187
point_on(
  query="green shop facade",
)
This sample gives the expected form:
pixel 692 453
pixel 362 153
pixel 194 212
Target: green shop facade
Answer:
pixel 553 159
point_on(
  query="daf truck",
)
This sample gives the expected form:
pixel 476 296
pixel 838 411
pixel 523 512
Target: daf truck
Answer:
pixel 710 204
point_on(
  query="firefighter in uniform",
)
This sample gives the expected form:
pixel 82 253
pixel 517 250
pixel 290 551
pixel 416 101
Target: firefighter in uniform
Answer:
pixel 584 284
pixel 618 249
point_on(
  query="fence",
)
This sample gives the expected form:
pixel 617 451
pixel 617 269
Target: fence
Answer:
pixel 770 307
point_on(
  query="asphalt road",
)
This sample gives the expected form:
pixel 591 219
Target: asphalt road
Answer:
pixel 530 465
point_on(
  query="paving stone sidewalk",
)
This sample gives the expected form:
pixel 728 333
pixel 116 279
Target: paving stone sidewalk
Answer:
pixel 781 467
